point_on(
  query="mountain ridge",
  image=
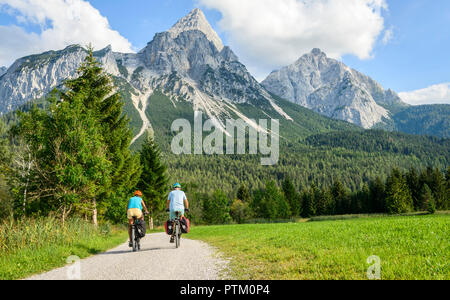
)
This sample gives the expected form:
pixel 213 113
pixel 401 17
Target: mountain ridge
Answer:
pixel 333 89
pixel 190 63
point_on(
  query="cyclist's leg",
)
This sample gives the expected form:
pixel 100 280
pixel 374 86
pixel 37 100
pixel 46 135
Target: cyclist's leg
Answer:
pixel 131 214
pixel 130 226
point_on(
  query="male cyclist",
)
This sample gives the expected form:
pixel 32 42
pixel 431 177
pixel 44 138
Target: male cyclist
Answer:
pixel 134 209
pixel 177 202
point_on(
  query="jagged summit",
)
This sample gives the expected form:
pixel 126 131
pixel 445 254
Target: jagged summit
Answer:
pixel 196 20
pixel 333 89
pixel 317 52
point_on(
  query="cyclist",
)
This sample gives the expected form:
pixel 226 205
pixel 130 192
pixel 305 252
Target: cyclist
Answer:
pixel 134 209
pixel 177 202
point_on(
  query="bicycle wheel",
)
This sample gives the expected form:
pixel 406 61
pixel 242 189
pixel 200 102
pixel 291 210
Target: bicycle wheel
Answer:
pixel 133 238
pixel 177 235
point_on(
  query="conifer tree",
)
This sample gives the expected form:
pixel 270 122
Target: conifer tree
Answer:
pixel 412 179
pixel 426 199
pixel 341 197
pixel 292 196
pixel 377 196
pixel 104 103
pixel 153 180
pixel 309 202
pixel 398 195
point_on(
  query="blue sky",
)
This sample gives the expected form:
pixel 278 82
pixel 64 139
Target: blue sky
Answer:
pixel 404 45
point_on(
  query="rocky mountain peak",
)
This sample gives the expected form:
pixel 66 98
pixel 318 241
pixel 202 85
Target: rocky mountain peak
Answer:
pixel 333 89
pixel 196 20
pixel 2 70
pixel 317 52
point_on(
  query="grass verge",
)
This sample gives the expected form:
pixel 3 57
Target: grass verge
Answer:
pixel 409 247
pixel 35 246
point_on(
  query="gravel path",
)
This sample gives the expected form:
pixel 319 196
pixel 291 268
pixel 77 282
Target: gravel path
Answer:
pixel 157 260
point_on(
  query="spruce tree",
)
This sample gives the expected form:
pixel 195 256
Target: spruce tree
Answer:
pixel 412 179
pixel 153 180
pixel 398 195
pixel 341 197
pixel 292 197
pixel 426 199
pixel 377 196
pixel 104 103
pixel 309 202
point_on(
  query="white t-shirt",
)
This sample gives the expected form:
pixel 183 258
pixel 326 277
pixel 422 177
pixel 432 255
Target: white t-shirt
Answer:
pixel 176 199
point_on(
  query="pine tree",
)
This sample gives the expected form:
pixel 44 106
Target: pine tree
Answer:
pixel 274 203
pixel 101 100
pixel 427 200
pixel 398 195
pixel 341 197
pixel 309 202
pixel 377 196
pixel 412 179
pixel 292 196
pixel 153 180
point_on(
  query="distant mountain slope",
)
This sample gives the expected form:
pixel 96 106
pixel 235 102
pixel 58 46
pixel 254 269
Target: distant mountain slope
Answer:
pixel 424 119
pixel 331 88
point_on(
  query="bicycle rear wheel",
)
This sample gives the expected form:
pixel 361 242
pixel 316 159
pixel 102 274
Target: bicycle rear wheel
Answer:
pixel 133 238
pixel 177 236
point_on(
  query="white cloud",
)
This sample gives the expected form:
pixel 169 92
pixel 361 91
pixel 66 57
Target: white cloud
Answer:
pixel 435 94
pixel 62 22
pixel 272 33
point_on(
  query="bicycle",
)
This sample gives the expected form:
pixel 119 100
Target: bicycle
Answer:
pixel 177 229
pixel 135 239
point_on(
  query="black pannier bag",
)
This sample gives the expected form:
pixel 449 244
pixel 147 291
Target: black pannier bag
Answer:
pixel 169 227
pixel 141 228
pixel 184 222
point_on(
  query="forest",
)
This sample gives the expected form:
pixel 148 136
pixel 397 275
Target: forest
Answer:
pixel 71 155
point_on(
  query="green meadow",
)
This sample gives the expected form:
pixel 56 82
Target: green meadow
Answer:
pixel 409 248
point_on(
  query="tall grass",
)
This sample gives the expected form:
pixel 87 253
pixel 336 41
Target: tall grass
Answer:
pixel 37 233
pixel 31 246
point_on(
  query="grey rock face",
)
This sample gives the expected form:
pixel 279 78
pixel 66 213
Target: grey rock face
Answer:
pixel 189 62
pixel 2 70
pixel 196 20
pixel 34 76
pixel 331 88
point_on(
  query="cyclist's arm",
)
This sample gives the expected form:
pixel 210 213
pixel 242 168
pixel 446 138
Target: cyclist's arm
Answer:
pixel 186 203
pixel 145 207
pixel 168 204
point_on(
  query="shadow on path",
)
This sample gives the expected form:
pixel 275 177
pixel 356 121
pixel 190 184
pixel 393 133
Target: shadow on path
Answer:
pixel 131 251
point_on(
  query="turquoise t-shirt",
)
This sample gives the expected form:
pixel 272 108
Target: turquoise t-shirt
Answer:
pixel 135 202
pixel 177 200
